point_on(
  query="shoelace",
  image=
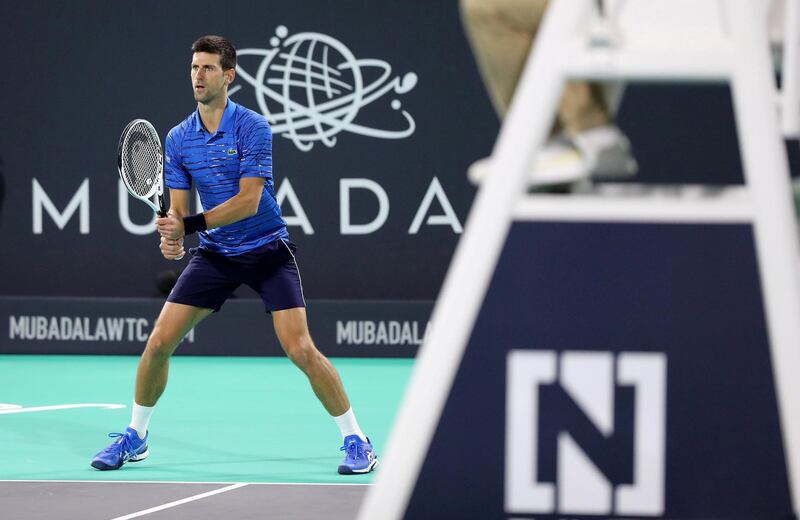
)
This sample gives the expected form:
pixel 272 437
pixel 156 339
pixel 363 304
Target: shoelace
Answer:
pixel 354 450
pixel 124 443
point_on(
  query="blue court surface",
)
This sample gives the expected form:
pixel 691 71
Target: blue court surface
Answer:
pixel 231 437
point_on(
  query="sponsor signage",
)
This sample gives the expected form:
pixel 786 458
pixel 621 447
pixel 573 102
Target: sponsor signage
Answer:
pixel 241 328
pixel 377 113
pixel 368 160
pixel 615 371
pixel 594 385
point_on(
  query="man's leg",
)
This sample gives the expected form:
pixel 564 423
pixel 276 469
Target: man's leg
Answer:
pixel 151 379
pixel 292 330
pixel 501 33
pixel 172 325
pixel 582 107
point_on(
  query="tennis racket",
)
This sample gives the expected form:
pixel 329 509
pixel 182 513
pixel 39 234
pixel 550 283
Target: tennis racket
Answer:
pixel 141 163
pixel 140 160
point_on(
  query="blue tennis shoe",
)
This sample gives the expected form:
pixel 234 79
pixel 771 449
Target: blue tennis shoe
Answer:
pixel 127 448
pixel 359 456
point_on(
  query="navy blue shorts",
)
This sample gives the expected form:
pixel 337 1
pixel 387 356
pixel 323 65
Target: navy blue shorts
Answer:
pixel 271 270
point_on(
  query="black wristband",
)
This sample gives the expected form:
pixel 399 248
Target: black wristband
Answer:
pixel 194 223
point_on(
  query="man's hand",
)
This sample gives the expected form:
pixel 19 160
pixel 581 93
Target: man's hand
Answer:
pixel 170 227
pixel 172 249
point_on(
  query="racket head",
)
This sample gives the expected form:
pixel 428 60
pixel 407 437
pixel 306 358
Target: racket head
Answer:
pixel 140 161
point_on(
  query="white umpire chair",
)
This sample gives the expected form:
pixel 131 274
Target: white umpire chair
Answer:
pixel 640 40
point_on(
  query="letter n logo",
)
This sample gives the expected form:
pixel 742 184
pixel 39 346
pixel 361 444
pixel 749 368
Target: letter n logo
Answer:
pixel 591 390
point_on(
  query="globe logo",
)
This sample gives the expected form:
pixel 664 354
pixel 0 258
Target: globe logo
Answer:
pixel 311 88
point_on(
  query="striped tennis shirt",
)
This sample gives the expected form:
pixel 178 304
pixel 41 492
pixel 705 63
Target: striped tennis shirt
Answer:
pixel 241 147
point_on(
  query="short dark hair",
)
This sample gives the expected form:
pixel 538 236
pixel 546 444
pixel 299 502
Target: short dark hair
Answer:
pixel 217 45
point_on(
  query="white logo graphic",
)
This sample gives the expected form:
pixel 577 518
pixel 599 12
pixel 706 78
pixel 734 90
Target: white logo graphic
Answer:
pixel 311 87
pixel 588 378
pixel 15 408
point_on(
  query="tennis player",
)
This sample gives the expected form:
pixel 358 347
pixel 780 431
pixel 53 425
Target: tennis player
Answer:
pixel 226 150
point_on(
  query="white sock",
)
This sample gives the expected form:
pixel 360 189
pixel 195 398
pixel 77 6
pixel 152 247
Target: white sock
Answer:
pixel 348 425
pixel 140 418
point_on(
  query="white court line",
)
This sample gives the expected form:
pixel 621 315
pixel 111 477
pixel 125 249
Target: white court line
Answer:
pixel 15 408
pixel 45 481
pixel 179 502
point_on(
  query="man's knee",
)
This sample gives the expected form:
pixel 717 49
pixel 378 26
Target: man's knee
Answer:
pixel 158 345
pixel 172 324
pixel 301 350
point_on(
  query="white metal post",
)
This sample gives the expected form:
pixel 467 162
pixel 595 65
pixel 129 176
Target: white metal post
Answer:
pixel 525 128
pixel 790 71
pixel 766 173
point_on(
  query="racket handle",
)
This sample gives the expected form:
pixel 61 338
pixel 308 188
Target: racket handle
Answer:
pixel 162 209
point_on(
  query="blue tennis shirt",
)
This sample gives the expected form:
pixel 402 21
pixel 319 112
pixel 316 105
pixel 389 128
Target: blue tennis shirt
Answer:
pixel 241 147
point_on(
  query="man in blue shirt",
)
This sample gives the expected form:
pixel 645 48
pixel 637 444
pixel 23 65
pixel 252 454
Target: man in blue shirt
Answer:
pixel 226 150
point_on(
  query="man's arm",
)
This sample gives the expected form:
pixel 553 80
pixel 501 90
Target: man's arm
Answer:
pixel 178 202
pixel 242 205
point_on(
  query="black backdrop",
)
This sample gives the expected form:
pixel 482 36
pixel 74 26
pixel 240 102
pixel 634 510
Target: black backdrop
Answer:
pixel 82 70
pixel 77 72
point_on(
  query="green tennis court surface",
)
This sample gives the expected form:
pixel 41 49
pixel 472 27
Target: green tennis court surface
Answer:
pixel 220 420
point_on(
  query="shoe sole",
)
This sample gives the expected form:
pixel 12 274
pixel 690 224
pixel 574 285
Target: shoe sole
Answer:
pixel 102 466
pixel 140 457
pixel 344 470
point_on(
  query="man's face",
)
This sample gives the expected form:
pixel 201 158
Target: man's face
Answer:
pixel 209 81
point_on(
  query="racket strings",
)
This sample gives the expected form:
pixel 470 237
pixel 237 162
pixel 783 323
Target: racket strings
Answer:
pixel 141 161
